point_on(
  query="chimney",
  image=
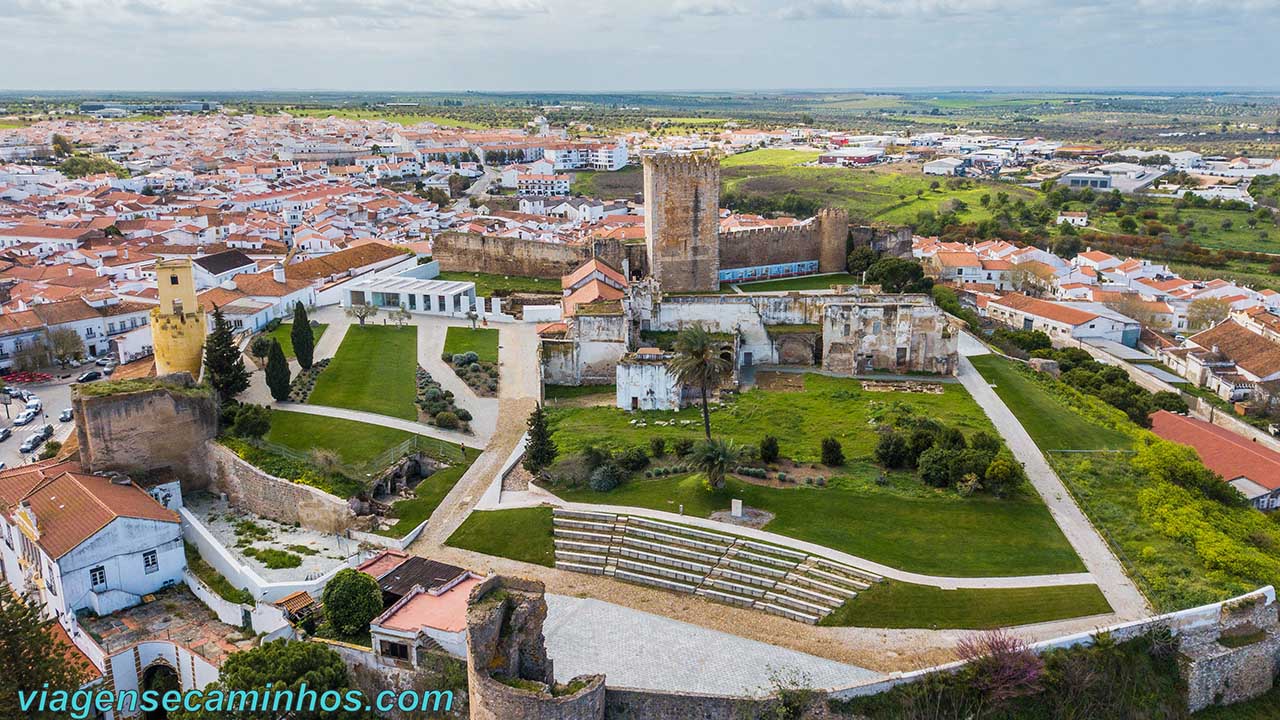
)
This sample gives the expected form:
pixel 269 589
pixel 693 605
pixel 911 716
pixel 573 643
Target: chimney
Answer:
pixel 70 271
pixel 277 272
pixel 126 253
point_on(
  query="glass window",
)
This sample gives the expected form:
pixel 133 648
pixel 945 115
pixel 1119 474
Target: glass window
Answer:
pixel 97 576
pixel 150 562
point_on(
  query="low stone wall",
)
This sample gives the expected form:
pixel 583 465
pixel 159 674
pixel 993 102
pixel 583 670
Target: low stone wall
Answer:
pixel 632 704
pixel 271 497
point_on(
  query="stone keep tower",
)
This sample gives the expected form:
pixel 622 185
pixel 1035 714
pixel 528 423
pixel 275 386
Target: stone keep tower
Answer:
pixel 682 221
pixel 177 325
pixel 833 240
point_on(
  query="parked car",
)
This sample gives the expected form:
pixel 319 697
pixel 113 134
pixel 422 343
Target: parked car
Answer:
pixel 5 434
pixel 25 417
pixel 46 431
pixel 66 415
pixel 105 360
pixel 108 369
pixel 89 376
pixel 33 403
pixel 13 391
pixel 33 441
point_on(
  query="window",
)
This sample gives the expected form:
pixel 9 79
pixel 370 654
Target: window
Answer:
pixel 111 327
pixel 51 582
pixel 150 562
pixel 97 577
pixel 173 279
pixel 400 651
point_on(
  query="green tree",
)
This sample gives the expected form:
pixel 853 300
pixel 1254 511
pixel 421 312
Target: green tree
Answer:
pixel 702 361
pixel 260 346
pixel 899 275
pixel 223 363
pixel 539 450
pixel 832 452
pixel 1205 312
pixel 277 372
pixel 62 146
pixel 283 666
pixel 861 259
pixel 716 459
pixel 251 421
pixel 29 662
pixel 1003 476
pixel 352 600
pixel 303 337
pixel 769 449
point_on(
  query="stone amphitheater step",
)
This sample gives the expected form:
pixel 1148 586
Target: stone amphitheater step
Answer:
pixel 673 529
pixel 839 578
pixel 852 573
pixel 665 560
pixel 669 549
pixel 579 546
pixel 745 577
pixel 839 590
pixel 774 550
pixel 733 561
pixel 568 523
pixel 580 567
pixel 663 537
pixel 584 515
pixel 787 612
pixel 724 597
pixel 762 559
pixel 659 571
pixel 728 586
pixel 645 579
pixel 581 535
pixel 584 558
pixel 793 590
pixel 797 604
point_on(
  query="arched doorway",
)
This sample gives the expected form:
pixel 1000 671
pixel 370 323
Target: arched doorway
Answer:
pixel 161 678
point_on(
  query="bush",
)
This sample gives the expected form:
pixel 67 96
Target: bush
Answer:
pixel 465 359
pixel 250 421
pixel 768 449
pixel 1004 476
pixel 632 459
pixel 463 414
pixel 683 446
pixel 892 450
pixel 447 420
pixel 935 466
pixel 986 442
pixel 605 478
pixel 351 600
pixel 832 453
pixel 657 447
pixel 1170 401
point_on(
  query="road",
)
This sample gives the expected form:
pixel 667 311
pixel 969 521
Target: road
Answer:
pixel 477 189
pixel 55 396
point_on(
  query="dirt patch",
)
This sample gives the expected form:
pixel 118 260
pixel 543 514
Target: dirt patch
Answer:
pixel 751 517
pixel 780 381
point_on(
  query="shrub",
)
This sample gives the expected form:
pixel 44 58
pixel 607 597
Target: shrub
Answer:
pixel 682 446
pixel 251 421
pixel 1170 401
pixel 768 449
pixel 832 453
pixel 1003 476
pixel 986 442
pixel 632 459
pixel 657 447
pixel 605 478
pixel 935 466
pixel 463 414
pixel 892 451
pixel 352 600
pixel 447 420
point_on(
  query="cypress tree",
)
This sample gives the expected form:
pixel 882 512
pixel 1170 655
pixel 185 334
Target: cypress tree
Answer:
pixel 540 450
pixel 223 363
pixel 277 372
pixel 28 659
pixel 304 339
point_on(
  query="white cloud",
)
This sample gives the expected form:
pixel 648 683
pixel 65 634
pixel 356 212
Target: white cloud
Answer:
pixel 707 8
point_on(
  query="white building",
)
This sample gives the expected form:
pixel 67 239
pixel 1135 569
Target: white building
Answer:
pixel 543 185
pixel 944 166
pixel 1072 217
pixel 645 382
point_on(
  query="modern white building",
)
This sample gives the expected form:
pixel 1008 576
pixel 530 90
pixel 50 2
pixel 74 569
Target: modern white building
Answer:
pixel 542 185
pixel 945 166
pixel 414 287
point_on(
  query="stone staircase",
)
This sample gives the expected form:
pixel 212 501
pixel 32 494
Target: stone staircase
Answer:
pixel 718 566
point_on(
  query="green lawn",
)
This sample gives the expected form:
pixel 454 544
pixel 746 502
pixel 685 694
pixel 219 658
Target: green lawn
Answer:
pixel 809 282
pixel 568 392
pixel 488 285
pixel 918 530
pixel 1051 423
pixel 893 604
pixel 837 407
pixel 282 336
pixel 373 371
pixel 481 341
pixel 427 497
pixel 356 443
pixel 775 157
pixel 521 534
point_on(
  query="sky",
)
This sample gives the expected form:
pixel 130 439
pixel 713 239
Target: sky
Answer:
pixel 627 45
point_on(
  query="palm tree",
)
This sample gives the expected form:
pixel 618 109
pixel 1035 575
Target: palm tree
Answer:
pixel 701 360
pixel 715 458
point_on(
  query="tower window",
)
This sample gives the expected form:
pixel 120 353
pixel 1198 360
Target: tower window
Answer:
pixel 173 279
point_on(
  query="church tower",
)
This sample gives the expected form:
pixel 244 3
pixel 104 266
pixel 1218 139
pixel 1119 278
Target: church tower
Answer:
pixel 177 325
pixel 682 221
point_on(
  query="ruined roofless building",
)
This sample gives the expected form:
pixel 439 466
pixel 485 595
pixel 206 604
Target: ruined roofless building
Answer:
pixel 688 253
pixel 682 221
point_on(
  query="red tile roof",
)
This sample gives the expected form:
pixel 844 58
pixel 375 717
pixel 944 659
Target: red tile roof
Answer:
pixel 1221 450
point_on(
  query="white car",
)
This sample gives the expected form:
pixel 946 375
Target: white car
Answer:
pixel 34 404
pixel 25 417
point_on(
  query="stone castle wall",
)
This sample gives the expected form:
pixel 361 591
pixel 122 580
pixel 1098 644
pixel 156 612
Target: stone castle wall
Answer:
pixel 253 490
pixel 682 221
pixel 527 258
pixel 159 429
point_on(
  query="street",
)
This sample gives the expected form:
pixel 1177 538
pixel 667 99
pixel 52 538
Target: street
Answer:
pixel 55 397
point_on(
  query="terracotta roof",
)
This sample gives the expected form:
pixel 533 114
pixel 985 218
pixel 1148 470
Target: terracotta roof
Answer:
pixel 591 266
pixel 1221 450
pixel 72 507
pixel 958 259
pixel 266 285
pixel 590 292
pixel 382 563
pixel 1247 349
pixel 342 261
pixel 1045 309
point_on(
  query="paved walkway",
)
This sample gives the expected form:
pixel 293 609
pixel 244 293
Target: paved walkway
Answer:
pixel 1127 602
pixel 539 497
pixel 640 650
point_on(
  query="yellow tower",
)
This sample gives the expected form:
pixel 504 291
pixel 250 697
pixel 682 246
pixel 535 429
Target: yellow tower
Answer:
pixel 177 326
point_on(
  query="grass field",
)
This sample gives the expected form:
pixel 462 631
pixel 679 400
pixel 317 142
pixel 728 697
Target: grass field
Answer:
pixel 401 118
pixel 481 341
pixel 927 531
pixel 521 534
pixel 809 282
pixel 904 605
pixel 355 443
pixel 836 407
pixel 427 497
pixel 1206 227
pixel 282 336
pixel 569 392
pixel 1049 422
pixel 490 285
pixel 775 157
pixel 373 371
pixel 609 185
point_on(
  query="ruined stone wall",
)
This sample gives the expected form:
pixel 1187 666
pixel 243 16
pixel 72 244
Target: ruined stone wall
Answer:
pixel 514 256
pixel 902 338
pixel 271 497
pixel 1220 675
pixel 682 221
pixel 504 638
pixel 891 241
pixel 160 429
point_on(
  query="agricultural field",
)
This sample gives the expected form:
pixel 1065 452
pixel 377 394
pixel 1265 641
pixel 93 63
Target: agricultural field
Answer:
pixel 1209 227
pixel 488 285
pixel 283 335
pixel 398 117
pixel 372 371
pixel 623 183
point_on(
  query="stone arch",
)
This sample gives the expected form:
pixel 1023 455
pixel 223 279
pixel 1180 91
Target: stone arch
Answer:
pixel 160 676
